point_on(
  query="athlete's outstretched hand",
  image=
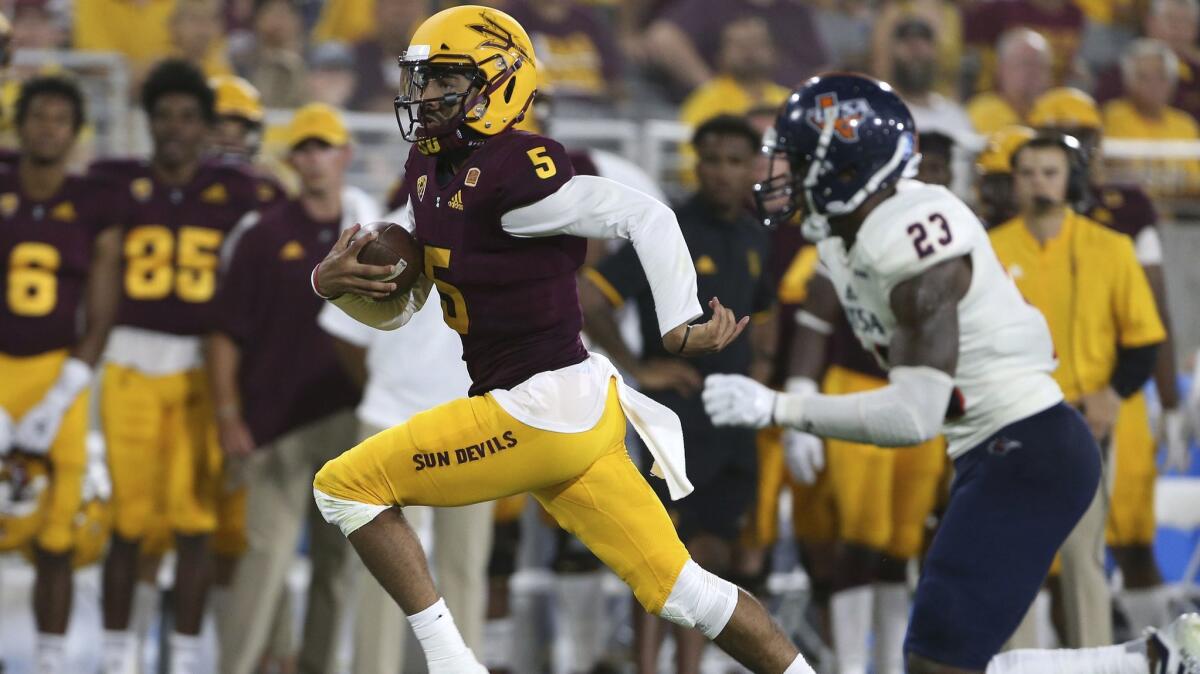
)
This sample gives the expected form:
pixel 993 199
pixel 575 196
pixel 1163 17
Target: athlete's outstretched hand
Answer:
pixel 341 272
pixel 708 337
pixel 804 454
pixel 736 400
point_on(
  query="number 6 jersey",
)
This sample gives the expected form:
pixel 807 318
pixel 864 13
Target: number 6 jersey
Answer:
pixel 1005 355
pixel 45 253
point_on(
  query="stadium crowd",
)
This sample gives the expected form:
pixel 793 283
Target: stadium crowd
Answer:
pixel 170 385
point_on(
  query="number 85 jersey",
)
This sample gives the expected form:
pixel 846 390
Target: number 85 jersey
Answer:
pixel 172 239
pixel 1005 354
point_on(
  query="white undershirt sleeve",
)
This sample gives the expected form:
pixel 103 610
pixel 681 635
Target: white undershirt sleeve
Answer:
pixel 908 411
pixel 1148 247
pixel 598 208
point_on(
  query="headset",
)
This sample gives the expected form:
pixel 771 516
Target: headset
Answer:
pixel 1077 169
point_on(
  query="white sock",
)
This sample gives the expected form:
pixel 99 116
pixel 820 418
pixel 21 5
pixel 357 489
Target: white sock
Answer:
pixel 799 666
pixel 1127 658
pixel 445 651
pixel 1149 607
pixel 890 624
pixel 850 613
pixel 498 634
pixel 581 598
pixel 51 653
pixel 120 652
pixel 185 653
pixel 146 598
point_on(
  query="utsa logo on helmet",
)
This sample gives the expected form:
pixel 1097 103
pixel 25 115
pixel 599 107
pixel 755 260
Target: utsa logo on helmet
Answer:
pixel 844 137
pixel 848 115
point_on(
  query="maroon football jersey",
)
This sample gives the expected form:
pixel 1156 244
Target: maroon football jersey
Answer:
pixel 172 239
pixel 1125 208
pixel 512 300
pixel 45 253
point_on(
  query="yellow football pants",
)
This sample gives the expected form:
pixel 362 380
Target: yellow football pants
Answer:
pixel 26 380
pixel 160 433
pixel 814 513
pixel 1131 506
pixel 470 450
pixel 884 495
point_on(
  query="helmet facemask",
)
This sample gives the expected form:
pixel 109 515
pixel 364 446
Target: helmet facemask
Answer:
pixel 464 85
pixel 776 196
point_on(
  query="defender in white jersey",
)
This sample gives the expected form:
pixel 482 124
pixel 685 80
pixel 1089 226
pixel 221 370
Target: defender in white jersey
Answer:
pixel 966 356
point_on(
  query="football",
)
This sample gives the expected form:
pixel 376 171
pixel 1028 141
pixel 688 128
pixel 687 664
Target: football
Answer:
pixel 394 245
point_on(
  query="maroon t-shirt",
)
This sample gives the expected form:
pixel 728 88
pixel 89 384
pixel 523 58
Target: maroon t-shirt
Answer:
pixel 798 47
pixel 288 373
pixel 787 241
pixel 1110 85
pixel 512 300
pixel 45 253
pixel 1122 207
pixel 173 237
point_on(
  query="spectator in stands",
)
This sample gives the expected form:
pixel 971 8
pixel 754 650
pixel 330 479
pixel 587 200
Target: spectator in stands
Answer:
pixel 36 25
pixel 945 19
pixel 375 58
pixel 846 28
pixel 347 21
pixel 686 38
pixel 1177 24
pixel 196 35
pixel 1059 21
pixel 1150 71
pixel 577 53
pixel 331 74
pixel 746 61
pixel 1022 74
pixel 914 72
pixel 137 30
pixel 273 61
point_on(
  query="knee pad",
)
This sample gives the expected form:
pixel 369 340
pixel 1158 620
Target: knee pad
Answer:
pixel 701 600
pixel 345 514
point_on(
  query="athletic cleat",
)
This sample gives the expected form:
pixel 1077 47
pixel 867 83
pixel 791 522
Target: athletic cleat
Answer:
pixel 1177 646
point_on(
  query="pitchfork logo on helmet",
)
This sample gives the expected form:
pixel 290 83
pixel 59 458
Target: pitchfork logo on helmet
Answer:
pixel 838 139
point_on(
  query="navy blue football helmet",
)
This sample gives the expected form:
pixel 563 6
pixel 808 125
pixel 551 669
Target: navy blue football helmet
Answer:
pixel 843 137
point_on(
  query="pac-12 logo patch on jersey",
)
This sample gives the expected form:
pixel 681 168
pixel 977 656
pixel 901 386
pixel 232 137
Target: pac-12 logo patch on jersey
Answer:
pixel 848 114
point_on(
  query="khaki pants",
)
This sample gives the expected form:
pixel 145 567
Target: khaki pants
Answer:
pixel 1087 600
pixel 462 542
pixel 279 502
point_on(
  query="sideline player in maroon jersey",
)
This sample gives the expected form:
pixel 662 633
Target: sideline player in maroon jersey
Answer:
pixel 59 251
pixel 176 210
pixel 500 216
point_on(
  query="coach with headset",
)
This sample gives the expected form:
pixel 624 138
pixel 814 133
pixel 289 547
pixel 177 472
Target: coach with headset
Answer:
pixel 1086 280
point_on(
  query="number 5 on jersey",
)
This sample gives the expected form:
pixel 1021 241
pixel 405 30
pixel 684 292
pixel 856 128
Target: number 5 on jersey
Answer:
pixel 454 305
pixel 543 164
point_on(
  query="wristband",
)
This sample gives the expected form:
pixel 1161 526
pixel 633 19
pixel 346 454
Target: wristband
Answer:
pixel 687 332
pixel 312 278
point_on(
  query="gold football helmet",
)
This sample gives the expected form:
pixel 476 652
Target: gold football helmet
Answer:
pixel 481 60
pixel 237 98
pixel 996 157
pixel 1065 108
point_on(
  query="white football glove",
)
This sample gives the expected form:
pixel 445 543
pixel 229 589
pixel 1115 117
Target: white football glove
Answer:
pixel 1175 437
pixel 36 430
pixel 737 400
pixel 6 432
pixel 803 452
pixel 97 485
